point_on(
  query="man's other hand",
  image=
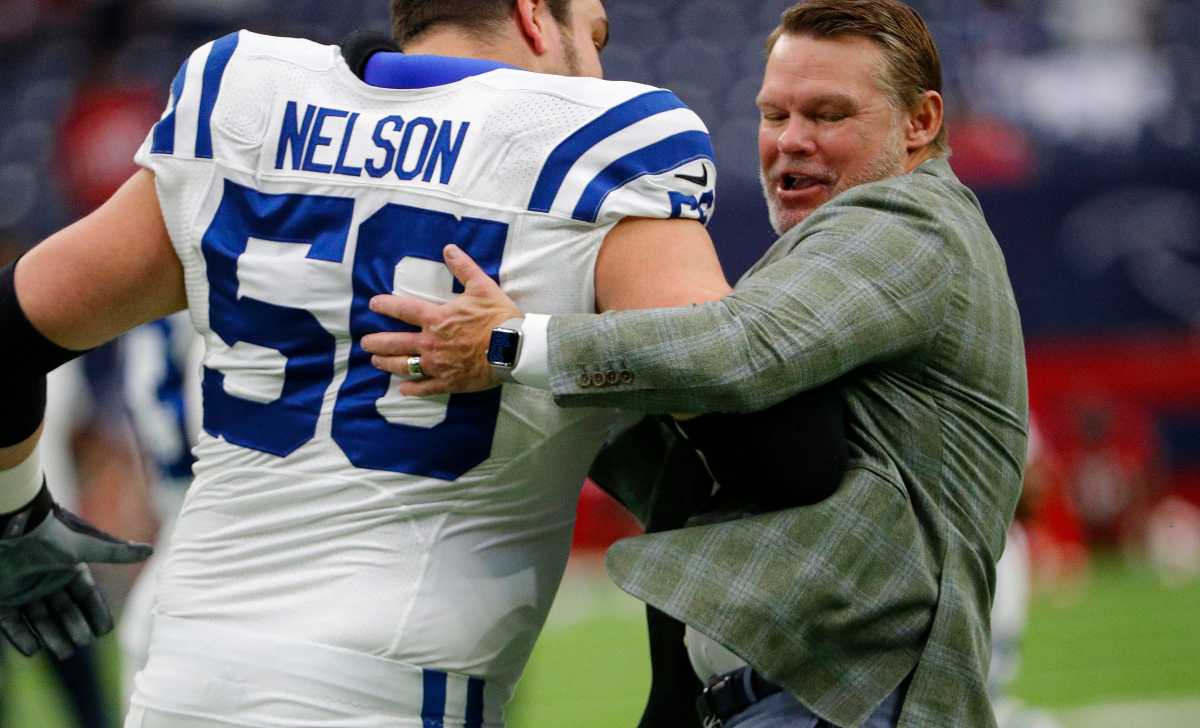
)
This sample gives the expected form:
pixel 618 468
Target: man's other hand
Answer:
pixel 47 595
pixel 454 336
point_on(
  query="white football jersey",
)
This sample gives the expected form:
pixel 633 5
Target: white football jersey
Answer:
pixel 326 508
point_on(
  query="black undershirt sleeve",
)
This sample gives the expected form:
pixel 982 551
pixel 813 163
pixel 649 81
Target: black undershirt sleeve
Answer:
pixel 29 357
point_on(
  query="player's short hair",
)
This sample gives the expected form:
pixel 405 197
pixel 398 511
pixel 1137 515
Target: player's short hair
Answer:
pixel 411 18
pixel 914 65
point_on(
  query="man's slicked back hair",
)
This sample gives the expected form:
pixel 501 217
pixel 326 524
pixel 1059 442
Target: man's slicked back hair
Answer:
pixel 411 18
pixel 913 63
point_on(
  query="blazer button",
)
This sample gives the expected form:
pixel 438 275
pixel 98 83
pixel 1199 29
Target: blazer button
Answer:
pixel 626 377
pixel 584 381
pixel 612 378
pixel 599 379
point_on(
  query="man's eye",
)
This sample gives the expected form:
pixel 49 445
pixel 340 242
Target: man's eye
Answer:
pixel 832 118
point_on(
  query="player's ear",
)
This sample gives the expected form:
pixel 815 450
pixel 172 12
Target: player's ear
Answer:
pixel 532 16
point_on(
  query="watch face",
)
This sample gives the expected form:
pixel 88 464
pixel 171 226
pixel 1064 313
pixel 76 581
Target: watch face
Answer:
pixel 502 351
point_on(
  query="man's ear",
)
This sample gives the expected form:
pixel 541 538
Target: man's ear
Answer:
pixel 531 19
pixel 925 121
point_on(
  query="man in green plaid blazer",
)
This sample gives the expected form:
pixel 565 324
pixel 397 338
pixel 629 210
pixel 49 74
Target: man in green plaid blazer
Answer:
pixel 898 289
pixel 872 606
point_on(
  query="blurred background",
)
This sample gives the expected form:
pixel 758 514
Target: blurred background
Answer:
pixel 1077 122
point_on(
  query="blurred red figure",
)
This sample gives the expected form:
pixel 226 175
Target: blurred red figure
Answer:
pixel 1057 551
pixel 1112 461
pixel 100 135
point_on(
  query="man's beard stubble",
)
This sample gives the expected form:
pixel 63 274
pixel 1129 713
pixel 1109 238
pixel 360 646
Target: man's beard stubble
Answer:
pixel 889 163
pixel 571 55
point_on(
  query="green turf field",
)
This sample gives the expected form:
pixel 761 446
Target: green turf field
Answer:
pixel 1121 650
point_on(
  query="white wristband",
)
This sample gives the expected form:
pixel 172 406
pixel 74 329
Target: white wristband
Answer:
pixel 20 485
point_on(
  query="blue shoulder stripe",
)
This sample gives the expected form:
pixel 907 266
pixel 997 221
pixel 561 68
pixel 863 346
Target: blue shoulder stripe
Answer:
pixel 214 71
pixel 433 702
pixel 399 70
pixel 564 157
pixel 660 157
pixel 164 130
pixel 474 717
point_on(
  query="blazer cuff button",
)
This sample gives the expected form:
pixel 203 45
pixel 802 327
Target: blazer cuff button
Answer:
pixel 626 377
pixel 584 381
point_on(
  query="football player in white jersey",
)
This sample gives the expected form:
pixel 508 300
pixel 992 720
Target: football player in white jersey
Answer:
pixel 160 362
pixel 347 556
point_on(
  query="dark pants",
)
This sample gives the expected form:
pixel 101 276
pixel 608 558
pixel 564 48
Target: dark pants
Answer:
pixel 80 682
pixel 781 710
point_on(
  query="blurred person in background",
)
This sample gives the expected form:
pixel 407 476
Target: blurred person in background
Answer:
pixel 872 607
pixel 1113 460
pixel 161 366
pixel 1014 589
pixel 87 421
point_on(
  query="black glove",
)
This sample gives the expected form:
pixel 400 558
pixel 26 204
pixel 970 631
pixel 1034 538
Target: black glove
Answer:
pixel 793 454
pixel 47 595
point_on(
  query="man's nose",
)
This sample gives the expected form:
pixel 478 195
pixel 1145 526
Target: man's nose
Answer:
pixel 797 138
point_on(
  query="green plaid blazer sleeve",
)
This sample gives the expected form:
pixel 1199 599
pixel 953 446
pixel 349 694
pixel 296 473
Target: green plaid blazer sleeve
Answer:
pixel 867 287
pixel 899 289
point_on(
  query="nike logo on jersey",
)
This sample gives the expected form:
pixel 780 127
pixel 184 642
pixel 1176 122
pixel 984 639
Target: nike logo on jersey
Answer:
pixel 701 180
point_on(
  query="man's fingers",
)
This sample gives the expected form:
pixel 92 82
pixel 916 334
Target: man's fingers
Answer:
pixel 103 551
pixel 397 365
pixel 46 625
pixel 391 344
pixel 84 593
pixel 412 311
pixel 71 618
pixel 92 545
pixel 13 625
pixel 465 269
pixel 423 388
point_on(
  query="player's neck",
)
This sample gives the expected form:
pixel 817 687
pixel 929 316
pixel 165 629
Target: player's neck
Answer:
pixel 462 44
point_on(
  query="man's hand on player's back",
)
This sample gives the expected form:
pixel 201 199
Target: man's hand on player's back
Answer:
pixel 643 263
pixel 453 335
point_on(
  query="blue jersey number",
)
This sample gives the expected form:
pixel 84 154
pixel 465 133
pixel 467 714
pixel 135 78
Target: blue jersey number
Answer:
pixel 446 450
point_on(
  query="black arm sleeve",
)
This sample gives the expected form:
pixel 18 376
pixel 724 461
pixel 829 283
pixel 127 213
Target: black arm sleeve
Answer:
pixel 28 357
pixel 792 454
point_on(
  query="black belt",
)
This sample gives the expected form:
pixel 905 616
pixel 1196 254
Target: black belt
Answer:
pixel 730 694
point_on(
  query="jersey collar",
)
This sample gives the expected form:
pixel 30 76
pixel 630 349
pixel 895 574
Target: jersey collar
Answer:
pixel 401 71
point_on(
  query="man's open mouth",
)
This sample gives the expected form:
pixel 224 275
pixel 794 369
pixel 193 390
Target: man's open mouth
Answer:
pixel 792 182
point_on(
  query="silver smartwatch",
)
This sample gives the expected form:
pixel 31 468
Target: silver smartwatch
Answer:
pixel 504 350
